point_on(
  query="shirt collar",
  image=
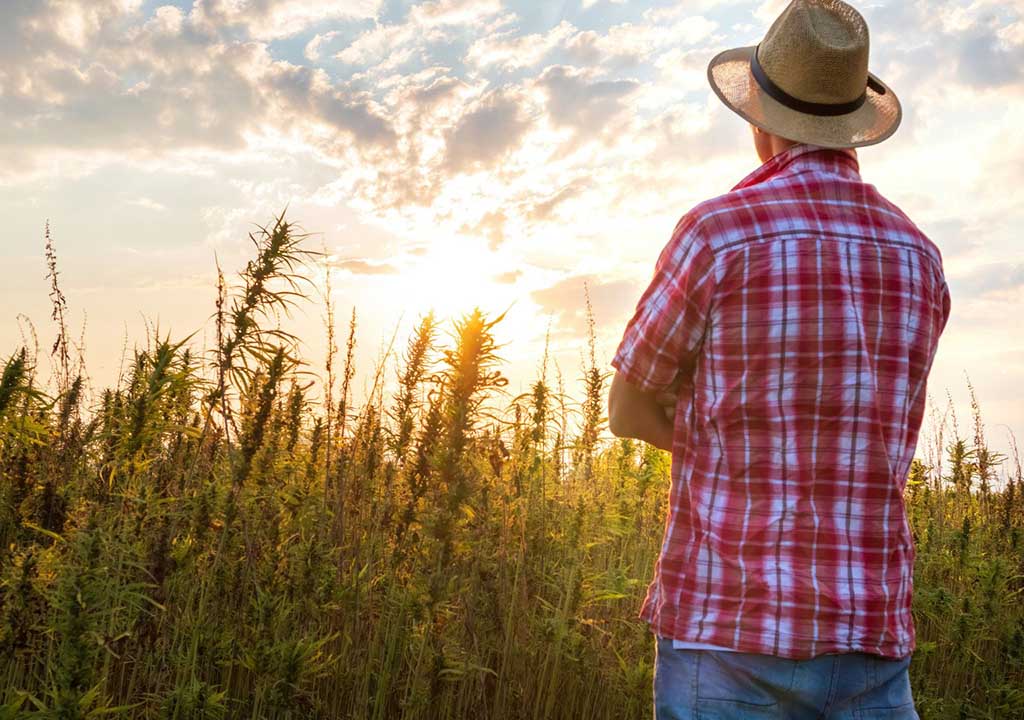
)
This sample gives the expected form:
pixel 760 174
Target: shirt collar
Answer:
pixel 841 162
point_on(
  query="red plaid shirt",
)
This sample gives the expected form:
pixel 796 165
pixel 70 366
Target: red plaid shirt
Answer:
pixel 803 310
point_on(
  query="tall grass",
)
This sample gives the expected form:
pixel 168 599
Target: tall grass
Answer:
pixel 208 539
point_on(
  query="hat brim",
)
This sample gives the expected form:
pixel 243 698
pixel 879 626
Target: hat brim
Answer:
pixel 732 80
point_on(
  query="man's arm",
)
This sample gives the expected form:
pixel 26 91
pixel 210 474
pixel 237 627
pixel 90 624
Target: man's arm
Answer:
pixel 663 338
pixel 633 413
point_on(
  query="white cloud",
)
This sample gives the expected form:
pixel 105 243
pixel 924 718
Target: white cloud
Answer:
pixel 387 46
pixel 312 49
pixel 768 10
pixel 167 20
pixel 591 3
pixel 272 19
pixel 1012 34
pixel 576 99
pixel 454 12
pixel 76 23
pixel 148 204
pixel 375 46
pixel 511 51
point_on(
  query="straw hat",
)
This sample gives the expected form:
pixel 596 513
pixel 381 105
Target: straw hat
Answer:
pixel 808 80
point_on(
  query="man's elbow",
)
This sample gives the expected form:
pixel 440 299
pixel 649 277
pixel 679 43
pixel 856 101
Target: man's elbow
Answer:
pixel 618 421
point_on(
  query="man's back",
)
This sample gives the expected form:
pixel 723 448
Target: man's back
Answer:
pixel 807 309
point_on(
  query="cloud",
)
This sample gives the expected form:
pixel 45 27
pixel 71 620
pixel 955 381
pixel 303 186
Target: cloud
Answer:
pixel 988 280
pixel 679 27
pixel 986 60
pixel 312 50
pixel 577 101
pixel 379 46
pixel 386 46
pixel 509 278
pixel 546 209
pixel 768 10
pixel 453 12
pixel 1012 34
pixel 426 98
pixel 485 134
pixel 510 51
pixel 159 88
pixel 273 19
pixel 612 301
pixel 148 204
pixel 361 266
pixel 166 20
pixel 978 45
pixel 623 45
pixel 353 115
pixel 492 226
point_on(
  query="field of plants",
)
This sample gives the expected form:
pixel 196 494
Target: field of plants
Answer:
pixel 228 534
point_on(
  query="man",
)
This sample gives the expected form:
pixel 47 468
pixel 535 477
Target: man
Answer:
pixel 791 325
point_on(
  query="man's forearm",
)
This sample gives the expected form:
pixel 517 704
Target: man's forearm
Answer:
pixel 653 428
pixel 635 414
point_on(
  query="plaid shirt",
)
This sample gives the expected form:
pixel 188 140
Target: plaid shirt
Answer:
pixel 803 311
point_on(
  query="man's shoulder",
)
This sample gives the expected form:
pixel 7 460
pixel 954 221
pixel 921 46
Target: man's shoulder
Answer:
pixel 783 207
pixel 703 220
pixel 893 223
pixel 723 220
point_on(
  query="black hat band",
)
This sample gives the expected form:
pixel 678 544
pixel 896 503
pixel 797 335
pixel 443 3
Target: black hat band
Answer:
pixel 810 108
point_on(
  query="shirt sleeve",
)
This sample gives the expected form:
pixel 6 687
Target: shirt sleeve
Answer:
pixel 666 330
pixel 946 306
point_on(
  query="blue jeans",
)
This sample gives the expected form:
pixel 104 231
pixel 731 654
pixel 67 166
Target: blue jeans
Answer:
pixel 711 685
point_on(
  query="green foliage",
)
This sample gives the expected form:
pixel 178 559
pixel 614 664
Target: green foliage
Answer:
pixel 968 583
pixel 208 540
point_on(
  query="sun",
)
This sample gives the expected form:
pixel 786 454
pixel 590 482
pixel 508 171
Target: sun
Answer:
pixel 452 278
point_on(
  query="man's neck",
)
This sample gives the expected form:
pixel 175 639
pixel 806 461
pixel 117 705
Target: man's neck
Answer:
pixel 782 144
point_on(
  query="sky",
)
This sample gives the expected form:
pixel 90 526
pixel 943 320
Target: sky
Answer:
pixel 449 154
